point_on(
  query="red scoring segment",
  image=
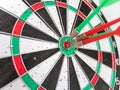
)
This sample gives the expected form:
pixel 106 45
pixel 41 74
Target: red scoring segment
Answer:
pixel 81 14
pixel 61 4
pixel 113 62
pixel 18 28
pixel 100 55
pixel 94 79
pixel 37 6
pixel 66 45
pixel 41 88
pixel 110 89
pixel 19 65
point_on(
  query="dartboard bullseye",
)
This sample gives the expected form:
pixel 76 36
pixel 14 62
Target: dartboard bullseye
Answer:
pixel 59 45
pixel 66 45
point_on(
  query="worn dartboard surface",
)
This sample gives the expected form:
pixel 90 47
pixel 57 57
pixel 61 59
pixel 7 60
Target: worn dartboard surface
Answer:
pixel 32 56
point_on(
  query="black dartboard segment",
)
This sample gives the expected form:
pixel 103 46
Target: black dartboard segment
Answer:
pixel 91 53
pixel 6 22
pixel 102 84
pixel 63 16
pixel 44 14
pixel 86 10
pixel 31 32
pixel 51 80
pixel 7 71
pixel 30 61
pixel 85 67
pixel 78 20
pixel 74 84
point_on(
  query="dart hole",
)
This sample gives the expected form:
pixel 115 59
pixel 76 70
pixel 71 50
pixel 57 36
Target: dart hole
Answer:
pixel 34 58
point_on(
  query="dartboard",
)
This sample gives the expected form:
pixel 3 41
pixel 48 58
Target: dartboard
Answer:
pixel 38 53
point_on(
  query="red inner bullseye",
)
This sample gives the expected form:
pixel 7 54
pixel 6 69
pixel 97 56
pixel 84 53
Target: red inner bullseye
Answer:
pixel 66 45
